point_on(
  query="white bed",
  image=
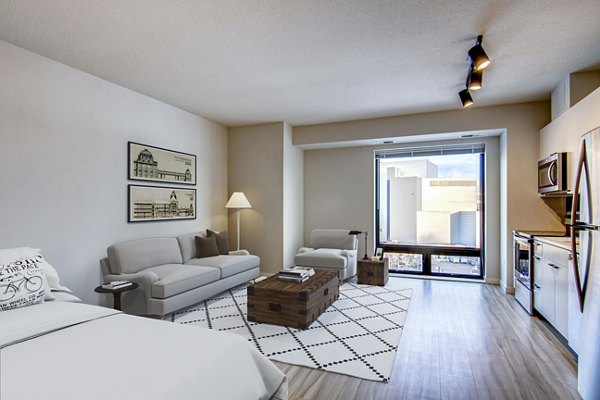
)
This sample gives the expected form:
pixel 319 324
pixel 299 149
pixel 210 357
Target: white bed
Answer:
pixel 60 350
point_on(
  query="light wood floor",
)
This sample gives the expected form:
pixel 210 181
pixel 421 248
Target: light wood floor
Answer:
pixel 460 341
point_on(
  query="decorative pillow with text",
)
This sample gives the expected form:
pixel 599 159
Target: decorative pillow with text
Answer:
pixel 21 283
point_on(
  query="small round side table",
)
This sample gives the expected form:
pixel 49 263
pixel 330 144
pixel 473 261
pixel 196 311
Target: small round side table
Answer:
pixel 117 293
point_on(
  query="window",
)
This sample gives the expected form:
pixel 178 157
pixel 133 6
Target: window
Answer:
pixel 429 209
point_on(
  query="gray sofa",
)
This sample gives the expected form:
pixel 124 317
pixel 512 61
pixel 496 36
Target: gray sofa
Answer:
pixel 169 275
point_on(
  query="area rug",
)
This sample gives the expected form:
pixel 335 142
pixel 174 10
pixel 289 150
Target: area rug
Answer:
pixel 357 335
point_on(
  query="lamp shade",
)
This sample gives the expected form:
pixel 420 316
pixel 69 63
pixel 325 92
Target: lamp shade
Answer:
pixel 465 98
pixel 477 54
pixel 474 81
pixel 238 200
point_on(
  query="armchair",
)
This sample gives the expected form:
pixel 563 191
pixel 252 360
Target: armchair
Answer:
pixel 330 248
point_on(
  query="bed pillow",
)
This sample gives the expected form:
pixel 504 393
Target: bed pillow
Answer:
pixel 52 276
pixel 206 247
pixel 21 283
pixel 8 256
pixel 222 240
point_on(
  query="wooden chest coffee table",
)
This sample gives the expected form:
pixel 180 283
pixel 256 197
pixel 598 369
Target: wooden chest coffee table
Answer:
pixel 293 304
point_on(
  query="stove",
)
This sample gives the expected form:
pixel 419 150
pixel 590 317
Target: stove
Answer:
pixel 523 265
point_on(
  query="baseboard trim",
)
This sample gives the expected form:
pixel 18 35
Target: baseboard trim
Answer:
pixel 507 289
pixel 436 278
pixel 492 281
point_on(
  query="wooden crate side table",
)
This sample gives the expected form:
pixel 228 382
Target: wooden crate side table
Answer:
pixel 293 304
pixel 373 272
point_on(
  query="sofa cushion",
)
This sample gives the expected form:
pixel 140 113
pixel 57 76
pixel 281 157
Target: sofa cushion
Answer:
pixel 228 265
pixel 206 247
pixel 187 245
pixel 178 278
pixel 136 255
pixel 329 258
pixel 222 240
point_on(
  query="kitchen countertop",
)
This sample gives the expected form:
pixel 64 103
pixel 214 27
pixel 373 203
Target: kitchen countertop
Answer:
pixel 563 242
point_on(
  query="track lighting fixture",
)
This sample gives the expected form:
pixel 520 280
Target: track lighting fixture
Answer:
pixel 474 79
pixel 478 61
pixel 478 57
pixel 465 98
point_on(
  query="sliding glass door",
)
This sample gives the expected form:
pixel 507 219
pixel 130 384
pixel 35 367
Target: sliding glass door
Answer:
pixel 429 209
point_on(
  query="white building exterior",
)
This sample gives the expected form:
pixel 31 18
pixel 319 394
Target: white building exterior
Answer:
pixel 424 209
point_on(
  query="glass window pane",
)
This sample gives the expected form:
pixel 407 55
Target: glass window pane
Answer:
pixel 461 265
pixel 433 200
pixel 406 262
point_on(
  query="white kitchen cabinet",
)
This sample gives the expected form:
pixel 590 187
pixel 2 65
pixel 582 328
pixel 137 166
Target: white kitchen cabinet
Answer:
pixel 561 304
pixel 545 296
pixel 574 310
pixel 551 297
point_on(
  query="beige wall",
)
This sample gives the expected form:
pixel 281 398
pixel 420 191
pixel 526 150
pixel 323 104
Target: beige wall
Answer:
pixel 338 191
pixel 268 168
pixel 63 157
pixel 293 197
pixel 339 181
pixel 256 168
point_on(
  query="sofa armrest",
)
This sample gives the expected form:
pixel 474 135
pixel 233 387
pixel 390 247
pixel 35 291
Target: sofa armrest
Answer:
pixel 305 250
pixel 239 253
pixel 143 278
pixel 348 253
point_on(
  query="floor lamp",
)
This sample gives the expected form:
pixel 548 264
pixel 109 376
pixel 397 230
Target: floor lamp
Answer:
pixel 239 201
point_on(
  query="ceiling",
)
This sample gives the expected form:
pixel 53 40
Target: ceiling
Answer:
pixel 242 62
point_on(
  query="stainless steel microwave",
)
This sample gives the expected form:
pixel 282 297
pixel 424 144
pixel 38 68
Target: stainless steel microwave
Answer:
pixel 552 174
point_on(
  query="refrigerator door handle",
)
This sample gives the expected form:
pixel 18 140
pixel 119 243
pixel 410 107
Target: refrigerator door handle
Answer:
pixel 581 167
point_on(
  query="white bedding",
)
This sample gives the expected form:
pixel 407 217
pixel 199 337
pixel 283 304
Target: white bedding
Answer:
pixel 58 350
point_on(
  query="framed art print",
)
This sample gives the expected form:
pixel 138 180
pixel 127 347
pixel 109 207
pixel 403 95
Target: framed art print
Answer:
pixel 150 163
pixel 157 203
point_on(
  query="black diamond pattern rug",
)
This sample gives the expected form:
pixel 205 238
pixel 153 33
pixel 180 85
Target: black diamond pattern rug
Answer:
pixel 357 335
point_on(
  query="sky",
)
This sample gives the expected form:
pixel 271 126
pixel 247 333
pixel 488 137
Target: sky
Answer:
pixel 457 166
pixel 454 166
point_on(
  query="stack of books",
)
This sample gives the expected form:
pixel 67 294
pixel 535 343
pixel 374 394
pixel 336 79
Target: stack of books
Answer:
pixel 296 274
pixel 116 284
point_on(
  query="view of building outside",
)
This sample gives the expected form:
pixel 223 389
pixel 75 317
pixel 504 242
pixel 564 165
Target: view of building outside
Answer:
pixel 431 200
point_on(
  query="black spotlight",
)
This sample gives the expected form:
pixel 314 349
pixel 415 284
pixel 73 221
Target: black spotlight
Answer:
pixel 478 57
pixel 474 79
pixel 465 98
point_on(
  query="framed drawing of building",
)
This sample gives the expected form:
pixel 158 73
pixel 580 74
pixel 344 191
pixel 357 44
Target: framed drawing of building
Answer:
pixel 150 163
pixel 157 203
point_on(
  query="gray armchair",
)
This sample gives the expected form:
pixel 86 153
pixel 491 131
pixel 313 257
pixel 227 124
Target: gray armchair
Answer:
pixel 330 248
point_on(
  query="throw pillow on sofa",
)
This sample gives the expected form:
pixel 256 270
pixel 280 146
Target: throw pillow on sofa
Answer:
pixel 222 240
pixel 206 247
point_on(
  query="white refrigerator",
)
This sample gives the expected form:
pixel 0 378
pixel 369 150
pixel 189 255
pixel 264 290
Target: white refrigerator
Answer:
pixel 585 229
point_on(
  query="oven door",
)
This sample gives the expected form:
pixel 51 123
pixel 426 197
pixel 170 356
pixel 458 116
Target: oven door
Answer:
pixel 523 272
pixel 523 262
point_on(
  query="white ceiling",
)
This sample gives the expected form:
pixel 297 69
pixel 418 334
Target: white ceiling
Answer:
pixel 240 62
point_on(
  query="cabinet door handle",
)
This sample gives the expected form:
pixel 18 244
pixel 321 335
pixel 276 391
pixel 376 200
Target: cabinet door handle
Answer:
pixel 537 258
pixel 554 266
pixel 536 286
